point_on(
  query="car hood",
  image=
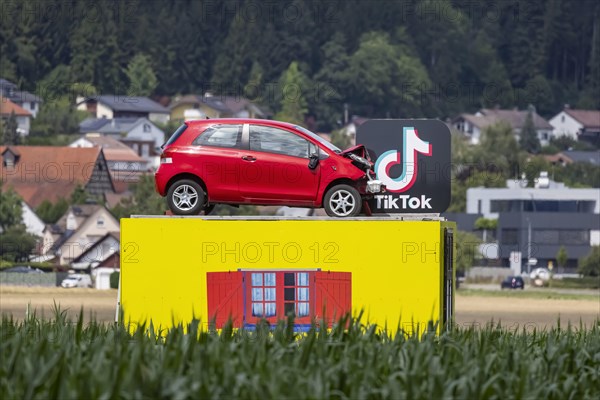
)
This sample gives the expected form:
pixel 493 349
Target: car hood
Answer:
pixel 359 150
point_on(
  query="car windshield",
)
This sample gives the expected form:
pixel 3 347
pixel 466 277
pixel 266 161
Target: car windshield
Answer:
pixel 319 139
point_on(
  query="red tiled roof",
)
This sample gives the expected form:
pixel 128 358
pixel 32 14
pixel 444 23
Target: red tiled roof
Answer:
pixel 7 107
pixel 590 119
pixel 47 172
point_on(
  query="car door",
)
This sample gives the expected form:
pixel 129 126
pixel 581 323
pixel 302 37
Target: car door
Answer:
pixel 217 161
pixel 274 169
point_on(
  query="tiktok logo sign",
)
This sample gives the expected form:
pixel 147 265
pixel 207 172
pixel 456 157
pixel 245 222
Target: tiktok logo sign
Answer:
pixel 411 146
pixel 413 161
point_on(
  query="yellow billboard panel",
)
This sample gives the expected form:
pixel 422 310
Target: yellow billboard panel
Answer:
pixel 175 269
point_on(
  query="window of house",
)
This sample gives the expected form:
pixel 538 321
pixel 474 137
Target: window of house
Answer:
pixel 296 293
pixel 220 136
pixel 100 222
pixel 279 141
pixel 574 237
pixel 146 127
pixel 263 294
pixel 562 118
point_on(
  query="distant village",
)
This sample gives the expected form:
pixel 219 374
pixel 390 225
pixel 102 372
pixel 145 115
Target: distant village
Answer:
pixel 120 142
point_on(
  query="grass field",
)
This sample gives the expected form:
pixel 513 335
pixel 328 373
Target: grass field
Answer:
pixel 543 348
pixel 58 359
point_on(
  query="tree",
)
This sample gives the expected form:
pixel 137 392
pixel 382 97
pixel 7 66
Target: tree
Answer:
pixel 500 151
pixel 293 103
pixel 142 80
pixel 486 224
pixel 340 139
pixel 590 264
pixel 145 200
pixel 50 213
pixel 16 244
pixel 79 195
pixel 562 257
pixel 10 208
pixel 528 139
pixel 10 133
pixel 467 250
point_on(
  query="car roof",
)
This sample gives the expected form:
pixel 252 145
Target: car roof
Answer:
pixel 212 121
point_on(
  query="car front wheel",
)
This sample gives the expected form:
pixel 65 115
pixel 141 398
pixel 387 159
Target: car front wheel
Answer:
pixel 185 197
pixel 342 201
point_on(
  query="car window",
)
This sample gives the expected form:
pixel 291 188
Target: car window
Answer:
pixel 220 136
pixel 279 141
pixel 175 135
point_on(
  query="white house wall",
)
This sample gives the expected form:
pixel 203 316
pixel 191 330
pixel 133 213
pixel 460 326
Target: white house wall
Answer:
pixel 159 117
pixel 33 223
pixel 102 111
pixel 87 234
pixel 155 134
pixel 565 125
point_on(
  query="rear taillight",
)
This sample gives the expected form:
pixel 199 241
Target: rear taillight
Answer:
pixel 165 158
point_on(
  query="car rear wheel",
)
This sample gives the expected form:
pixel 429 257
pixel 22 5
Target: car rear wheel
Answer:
pixel 342 201
pixel 185 197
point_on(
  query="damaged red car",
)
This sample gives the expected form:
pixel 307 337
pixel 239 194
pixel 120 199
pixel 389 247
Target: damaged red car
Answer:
pixel 261 162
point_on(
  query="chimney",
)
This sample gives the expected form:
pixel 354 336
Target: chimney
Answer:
pixel 71 221
pixel 567 106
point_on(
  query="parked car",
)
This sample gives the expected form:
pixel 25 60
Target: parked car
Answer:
pixel 261 162
pixel 24 269
pixel 512 282
pixel 540 273
pixel 76 280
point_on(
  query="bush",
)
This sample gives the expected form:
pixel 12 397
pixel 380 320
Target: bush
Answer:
pixel 114 280
pixel 590 264
pixel 575 283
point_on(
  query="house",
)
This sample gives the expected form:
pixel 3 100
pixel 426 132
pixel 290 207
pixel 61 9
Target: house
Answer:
pixel 22 116
pixel 39 173
pixel 139 134
pixel 574 156
pixel 471 125
pixel 33 224
pixel 351 127
pixel 101 253
pixel 577 124
pixel 26 100
pixel 121 106
pixel 123 163
pixel 77 231
pixel 198 107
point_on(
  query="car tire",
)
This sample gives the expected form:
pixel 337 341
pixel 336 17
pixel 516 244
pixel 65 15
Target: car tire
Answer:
pixel 185 197
pixel 342 201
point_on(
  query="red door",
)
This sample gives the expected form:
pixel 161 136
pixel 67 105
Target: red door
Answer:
pixel 225 298
pixel 275 168
pixel 333 294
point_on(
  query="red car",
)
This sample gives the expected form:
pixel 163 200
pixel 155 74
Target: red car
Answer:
pixel 261 162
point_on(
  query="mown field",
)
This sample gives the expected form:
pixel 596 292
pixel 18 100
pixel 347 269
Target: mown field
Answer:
pixel 59 359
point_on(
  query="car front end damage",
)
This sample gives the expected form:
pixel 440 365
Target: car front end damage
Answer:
pixel 360 159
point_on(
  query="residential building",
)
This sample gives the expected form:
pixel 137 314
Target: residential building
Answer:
pixel 123 163
pixel 575 156
pixel 103 252
pixel 121 106
pixel 351 127
pixel 26 100
pixel 39 173
pixel 78 230
pixel 577 124
pixel 139 134
pixel 22 116
pixel 542 218
pixel 471 125
pixel 193 106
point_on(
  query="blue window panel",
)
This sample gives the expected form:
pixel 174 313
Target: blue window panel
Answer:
pixel 257 279
pixel 257 294
pixel 269 279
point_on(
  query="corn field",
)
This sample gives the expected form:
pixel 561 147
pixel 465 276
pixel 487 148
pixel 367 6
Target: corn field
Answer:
pixel 62 359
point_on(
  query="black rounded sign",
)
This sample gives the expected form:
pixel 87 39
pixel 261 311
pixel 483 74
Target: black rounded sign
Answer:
pixel 412 158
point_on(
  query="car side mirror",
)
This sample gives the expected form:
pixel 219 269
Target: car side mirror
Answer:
pixel 313 161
